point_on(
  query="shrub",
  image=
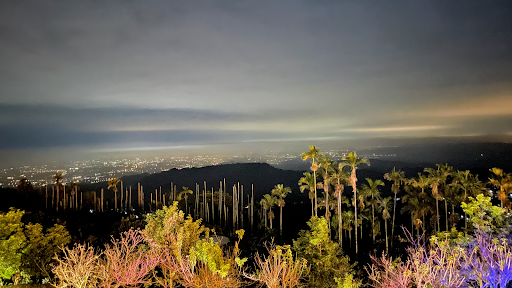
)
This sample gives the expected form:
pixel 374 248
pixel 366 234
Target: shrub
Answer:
pixel 127 262
pixel 77 268
pixel 279 269
pixel 324 255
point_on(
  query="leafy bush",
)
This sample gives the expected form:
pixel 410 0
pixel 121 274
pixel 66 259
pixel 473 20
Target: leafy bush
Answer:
pixel 279 269
pixel 25 250
pixel 324 255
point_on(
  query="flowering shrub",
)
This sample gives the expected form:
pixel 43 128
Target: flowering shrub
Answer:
pixel 486 261
pixel 77 268
pixel 279 269
pixel 127 262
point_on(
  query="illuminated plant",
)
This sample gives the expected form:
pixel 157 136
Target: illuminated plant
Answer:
pixel 324 255
pixel 77 268
pixel 127 262
pixel 279 269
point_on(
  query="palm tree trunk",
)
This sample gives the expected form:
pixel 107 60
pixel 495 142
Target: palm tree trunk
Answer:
pixel 326 189
pixel 281 221
pixel 220 203
pixel 386 226
pixel 213 208
pixel 446 211
pixel 340 223
pixel 465 215
pixel 437 210
pixel 355 210
pixel 252 206
pixel 373 221
pixel 316 201
pixel 412 223
pixel 393 223
pixel 265 216
pixel 57 188
pixel 312 208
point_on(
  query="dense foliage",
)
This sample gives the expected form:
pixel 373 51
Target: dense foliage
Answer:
pixel 27 251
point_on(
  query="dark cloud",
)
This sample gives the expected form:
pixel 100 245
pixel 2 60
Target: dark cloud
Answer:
pixel 103 72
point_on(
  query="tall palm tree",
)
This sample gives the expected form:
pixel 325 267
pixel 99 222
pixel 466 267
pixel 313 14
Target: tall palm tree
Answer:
pixel 385 205
pixel 445 171
pixel 264 205
pixel 57 178
pixel 352 162
pixel 73 187
pixel 269 203
pixel 280 192
pixel 112 183
pixel 463 181
pixel 502 181
pixel 348 221
pixel 308 182
pixel 312 154
pixel 434 179
pixel 398 178
pixel 326 170
pixel 371 190
pixel 340 177
pixel 422 206
pixel 412 201
pixel 184 194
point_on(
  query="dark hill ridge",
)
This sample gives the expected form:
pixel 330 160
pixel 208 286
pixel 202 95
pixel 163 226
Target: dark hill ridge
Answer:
pixel 262 175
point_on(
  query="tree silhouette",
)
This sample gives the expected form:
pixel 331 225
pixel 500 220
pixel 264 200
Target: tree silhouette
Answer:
pixel 371 190
pixel 112 183
pixel 398 178
pixel 352 162
pixel 280 192
pixel 184 194
pixel 308 182
pixel 312 154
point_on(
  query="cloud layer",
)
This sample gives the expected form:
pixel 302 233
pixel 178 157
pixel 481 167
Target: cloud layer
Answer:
pixel 149 73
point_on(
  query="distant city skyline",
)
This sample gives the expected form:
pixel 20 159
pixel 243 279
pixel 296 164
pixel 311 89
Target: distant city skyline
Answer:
pixel 79 79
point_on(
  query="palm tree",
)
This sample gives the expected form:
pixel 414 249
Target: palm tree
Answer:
pixel 280 191
pixel 326 170
pixel 112 183
pixel 398 178
pixel 463 181
pixel 264 205
pixel 434 180
pixel 184 194
pixel 57 178
pixel 503 181
pixel 352 162
pixel 308 182
pixel 312 154
pixel 445 171
pixel 269 203
pixel 412 200
pixel 372 191
pixel 74 188
pixel 422 182
pixel 385 205
pixel 341 178
pixel 348 221
pixel 24 185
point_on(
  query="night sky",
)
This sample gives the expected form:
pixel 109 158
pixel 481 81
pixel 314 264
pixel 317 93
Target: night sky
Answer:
pixel 133 74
